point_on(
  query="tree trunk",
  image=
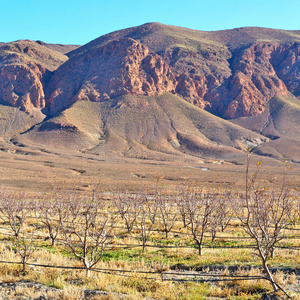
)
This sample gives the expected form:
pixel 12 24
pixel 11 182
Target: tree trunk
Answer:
pixel 87 267
pixel 88 273
pixel 269 274
pixel 23 266
pixel 213 236
pixel 144 244
pixel 200 249
pixel 273 252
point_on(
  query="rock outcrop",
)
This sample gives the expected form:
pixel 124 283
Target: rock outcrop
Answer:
pixel 118 68
pixel 25 68
pixel 21 86
pixel 254 81
pixel 234 84
pixel 286 62
pixel 196 74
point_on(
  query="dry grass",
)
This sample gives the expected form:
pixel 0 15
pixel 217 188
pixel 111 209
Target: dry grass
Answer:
pixel 71 283
pixel 243 289
pixel 292 278
pixel 104 297
pixel 70 293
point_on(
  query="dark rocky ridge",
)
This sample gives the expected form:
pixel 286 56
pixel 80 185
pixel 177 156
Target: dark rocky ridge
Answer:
pixel 231 73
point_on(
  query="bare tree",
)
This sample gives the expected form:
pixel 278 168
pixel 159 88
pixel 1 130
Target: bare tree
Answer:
pixel 265 214
pixel 147 219
pixel 199 214
pixel 129 208
pixel 52 213
pixel 222 214
pixel 13 211
pixel 215 219
pixel 167 213
pixel 182 201
pixel 295 213
pixel 24 245
pixel 226 212
pixel 88 229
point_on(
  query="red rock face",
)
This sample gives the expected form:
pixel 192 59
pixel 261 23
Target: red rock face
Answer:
pixel 286 62
pixel 241 88
pixel 118 68
pixel 25 67
pixel 254 81
pixel 21 86
pixel 236 84
pixel 197 77
pixel 228 84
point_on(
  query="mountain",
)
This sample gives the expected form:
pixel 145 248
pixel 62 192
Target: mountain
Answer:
pixel 25 68
pixel 118 68
pixel 155 127
pixel 231 73
pixel 62 48
pixel 158 91
pixel 279 122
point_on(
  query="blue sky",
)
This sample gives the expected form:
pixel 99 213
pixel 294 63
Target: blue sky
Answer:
pixel 78 22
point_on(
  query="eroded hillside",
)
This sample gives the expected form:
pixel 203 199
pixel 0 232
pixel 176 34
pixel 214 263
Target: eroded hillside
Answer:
pixel 237 75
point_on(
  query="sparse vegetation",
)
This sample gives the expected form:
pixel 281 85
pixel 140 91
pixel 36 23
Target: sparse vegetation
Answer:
pixel 147 245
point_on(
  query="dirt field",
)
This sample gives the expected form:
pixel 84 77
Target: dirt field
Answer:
pixel 36 169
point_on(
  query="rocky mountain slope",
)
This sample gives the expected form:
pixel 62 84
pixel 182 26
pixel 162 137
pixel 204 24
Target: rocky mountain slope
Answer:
pixel 25 69
pixel 118 68
pixel 230 73
pixel 148 89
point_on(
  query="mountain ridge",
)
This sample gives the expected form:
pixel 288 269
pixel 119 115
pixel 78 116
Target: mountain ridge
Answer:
pixel 227 36
pixel 240 74
pixel 210 75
